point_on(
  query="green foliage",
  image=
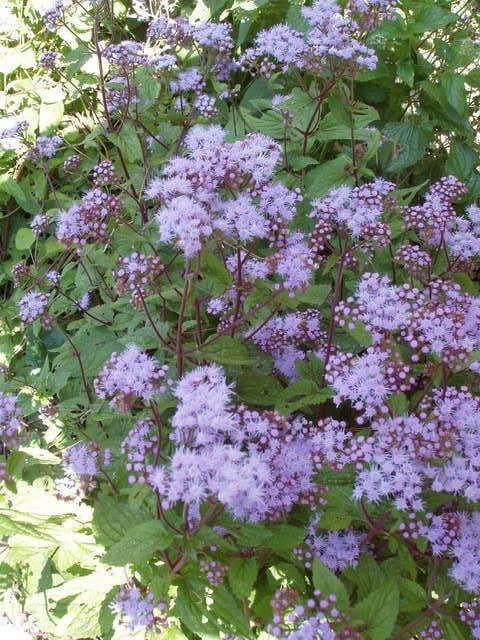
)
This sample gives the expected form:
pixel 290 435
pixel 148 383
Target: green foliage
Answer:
pixel 412 119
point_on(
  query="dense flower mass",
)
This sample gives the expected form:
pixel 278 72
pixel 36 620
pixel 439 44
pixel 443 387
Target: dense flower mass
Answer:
pixel 140 611
pixel 131 375
pixel 33 305
pixel 333 36
pixel 240 325
pixel 88 221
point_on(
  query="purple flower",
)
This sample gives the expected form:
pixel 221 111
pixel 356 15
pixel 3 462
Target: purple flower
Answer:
pixel 139 610
pixel 10 420
pixel 466 567
pixel 130 375
pixel 32 306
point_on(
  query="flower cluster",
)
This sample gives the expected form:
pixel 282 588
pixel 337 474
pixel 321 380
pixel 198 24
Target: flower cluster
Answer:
pixel 139 610
pixel 333 36
pixel 34 305
pixel 138 273
pixel 470 615
pixel 287 338
pixel 319 617
pixel 336 549
pixel 83 460
pixel 193 192
pixel 45 147
pixel 88 221
pixel 140 447
pixel 258 465
pixel 131 375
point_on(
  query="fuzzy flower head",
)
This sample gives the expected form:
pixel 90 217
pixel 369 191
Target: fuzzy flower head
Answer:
pixel 203 415
pixel 130 375
pixel 87 222
pixel 32 306
pixel 139 610
pixel 10 420
pixel 83 461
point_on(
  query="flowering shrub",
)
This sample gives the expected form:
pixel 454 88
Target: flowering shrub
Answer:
pixel 240 329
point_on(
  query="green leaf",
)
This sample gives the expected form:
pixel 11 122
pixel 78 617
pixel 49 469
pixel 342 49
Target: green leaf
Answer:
pixel 406 72
pixel 410 143
pixel 51 114
pixel 398 403
pixel 462 162
pixel 328 175
pixel 285 537
pixel 302 393
pixel 379 611
pixel 225 350
pixel 454 630
pixel 327 582
pixel 242 575
pixel 24 239
pixel 250 535
pixel 173 633
pixel 334 519
pixel 314 295
pixel 139 544
pixel 20 192
pixel 259 389
pixel 225 606
pixel 412 595
pixel 360 334
pixel 128 143
pixel 432 17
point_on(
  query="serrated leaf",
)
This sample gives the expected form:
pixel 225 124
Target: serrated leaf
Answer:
pixel 412 595
pixel 285 537
pixel 410 143
pixel 379 611
pixel 139 544
pixel 259 389
pixel 242 575
pixel 225 350
pixel 20 193
pixel 327 582
pixel 334 519
pixel 225 605
pixel 327 176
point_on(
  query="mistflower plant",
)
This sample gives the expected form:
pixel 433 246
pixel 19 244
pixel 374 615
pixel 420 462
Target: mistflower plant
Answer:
pixel 240 326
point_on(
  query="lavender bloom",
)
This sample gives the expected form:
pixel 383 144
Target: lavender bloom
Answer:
pixel 294 263
pixel 130 375
pixel 466 568
pixel 138 610
pixel 51 13
pixel 202 416
pixel 214 36
pixel 10 131
pixel 88 221
pixel 124 54
pixel 336 549
pixel 175 32
pixel 40 224
pixel 46 147
pixel 82 460
pixel 48 60
pixel 84 301
pixel 137 273
pixel 333 37
pixel 10 420
pixel 139 446
pixel 33 305
pixel 287 338
pixel 470 614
